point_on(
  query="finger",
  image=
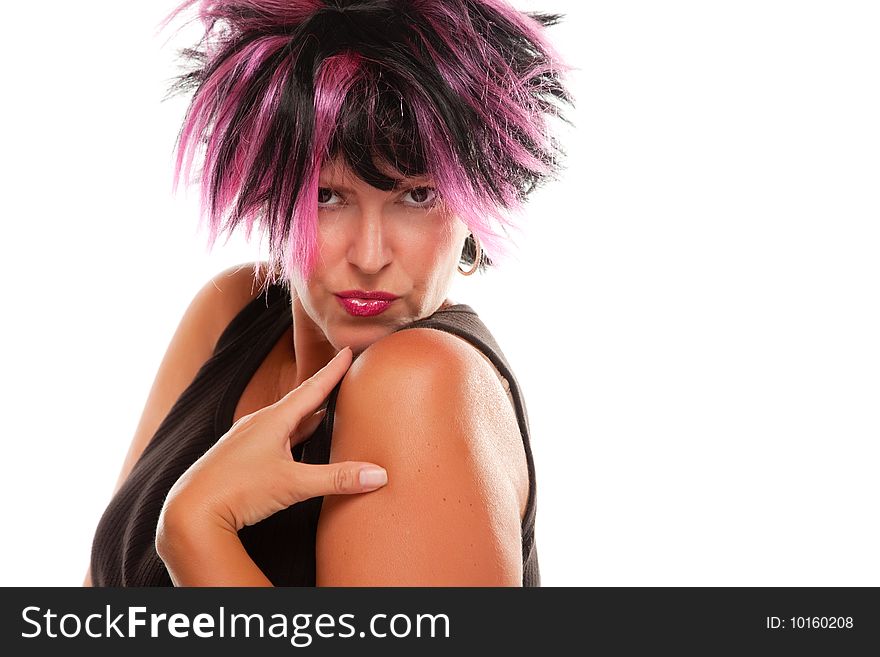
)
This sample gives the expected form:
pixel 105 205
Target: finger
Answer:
pixel 311 393
pixel 338 478
pixel 308 426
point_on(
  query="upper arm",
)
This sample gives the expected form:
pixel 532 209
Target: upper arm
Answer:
pixel 193 342
pixel 429 409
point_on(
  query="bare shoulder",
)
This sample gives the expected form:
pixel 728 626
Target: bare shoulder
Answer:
pixel 438 377
pixel 430 357
pixel 429 408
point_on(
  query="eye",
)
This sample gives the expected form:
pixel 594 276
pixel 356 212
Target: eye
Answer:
pixel 424 197
pixel 324 196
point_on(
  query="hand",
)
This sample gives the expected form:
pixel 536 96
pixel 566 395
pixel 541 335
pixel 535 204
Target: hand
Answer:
pixel 250 474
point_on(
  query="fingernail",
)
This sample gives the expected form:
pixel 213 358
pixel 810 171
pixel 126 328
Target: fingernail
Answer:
pixel 373 477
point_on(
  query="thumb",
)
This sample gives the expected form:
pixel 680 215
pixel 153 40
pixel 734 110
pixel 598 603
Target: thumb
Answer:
pixel 338 478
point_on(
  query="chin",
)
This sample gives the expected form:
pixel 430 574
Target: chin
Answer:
pixel 358 338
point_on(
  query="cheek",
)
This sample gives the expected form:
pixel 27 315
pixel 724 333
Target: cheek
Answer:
pixel 431 259
pixel 332 237
pixel 438 241
pixel 434 267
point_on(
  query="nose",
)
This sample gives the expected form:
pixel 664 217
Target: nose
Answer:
pixel 368 248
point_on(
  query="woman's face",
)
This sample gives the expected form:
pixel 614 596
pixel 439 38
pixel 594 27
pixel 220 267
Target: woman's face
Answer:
pixel 400 243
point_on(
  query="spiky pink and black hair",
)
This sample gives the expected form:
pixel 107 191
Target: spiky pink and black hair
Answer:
pixel 458 90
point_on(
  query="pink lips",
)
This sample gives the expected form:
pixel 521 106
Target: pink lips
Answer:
pixel 360 303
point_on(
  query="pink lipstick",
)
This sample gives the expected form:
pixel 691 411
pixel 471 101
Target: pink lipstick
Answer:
pixel 360 303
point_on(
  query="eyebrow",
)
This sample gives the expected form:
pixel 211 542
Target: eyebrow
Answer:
pixel 417 182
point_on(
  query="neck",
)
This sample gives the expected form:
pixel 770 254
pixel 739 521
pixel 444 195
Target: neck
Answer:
pixel 311 348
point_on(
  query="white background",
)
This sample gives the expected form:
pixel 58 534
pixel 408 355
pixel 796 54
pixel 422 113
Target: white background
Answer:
pixel 693 315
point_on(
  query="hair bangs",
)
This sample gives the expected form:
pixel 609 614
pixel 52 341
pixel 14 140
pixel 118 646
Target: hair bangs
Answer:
pixel 377 131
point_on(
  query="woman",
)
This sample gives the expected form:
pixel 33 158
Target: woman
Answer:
pixel 381 146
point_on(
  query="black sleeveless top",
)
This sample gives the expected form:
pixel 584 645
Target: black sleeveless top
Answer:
pixel 282 545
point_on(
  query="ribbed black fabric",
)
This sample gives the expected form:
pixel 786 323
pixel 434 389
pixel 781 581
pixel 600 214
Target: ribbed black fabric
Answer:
pixel 282 545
